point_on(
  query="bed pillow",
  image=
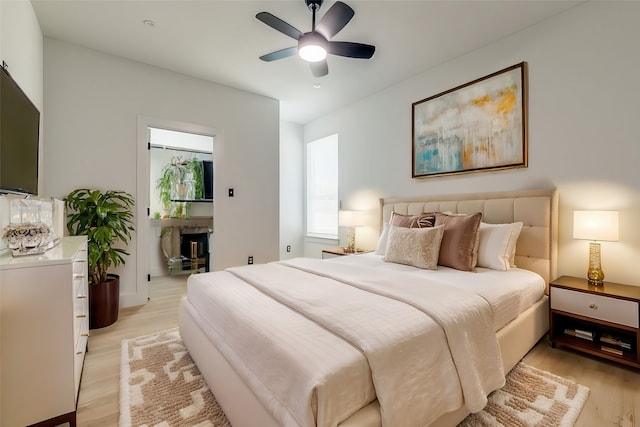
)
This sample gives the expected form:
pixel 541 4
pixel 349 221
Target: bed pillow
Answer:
pixel 459 247
pixel 400 220
pixel 497 243
pixel 419 247
pixel 517 228
pixel 382 240
pixel 412 221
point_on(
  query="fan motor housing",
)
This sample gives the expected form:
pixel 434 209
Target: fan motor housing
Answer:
pixel 313 5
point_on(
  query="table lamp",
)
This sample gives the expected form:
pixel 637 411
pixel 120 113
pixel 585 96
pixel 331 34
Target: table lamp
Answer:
pixel 595 225
pixel 351 219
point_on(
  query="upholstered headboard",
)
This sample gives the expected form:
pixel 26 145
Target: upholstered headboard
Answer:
pixel 537 209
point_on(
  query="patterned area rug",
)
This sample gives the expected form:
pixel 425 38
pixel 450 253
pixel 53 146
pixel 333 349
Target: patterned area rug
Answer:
pixel 160 386
pixel 529 398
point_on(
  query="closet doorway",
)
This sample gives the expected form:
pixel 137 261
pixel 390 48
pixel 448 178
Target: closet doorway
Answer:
pixel 181 177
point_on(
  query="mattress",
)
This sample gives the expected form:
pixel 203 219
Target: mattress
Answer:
pixel 303 347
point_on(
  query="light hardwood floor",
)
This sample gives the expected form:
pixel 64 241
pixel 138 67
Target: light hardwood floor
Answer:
pixel 614 398
pixel 98 403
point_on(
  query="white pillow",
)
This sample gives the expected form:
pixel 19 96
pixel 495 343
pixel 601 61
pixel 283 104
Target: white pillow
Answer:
pixel 382 240
pixel 517 228
pixel 497 245
pixel 419 247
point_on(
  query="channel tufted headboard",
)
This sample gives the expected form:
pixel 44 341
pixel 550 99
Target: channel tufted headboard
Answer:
pixel 537 209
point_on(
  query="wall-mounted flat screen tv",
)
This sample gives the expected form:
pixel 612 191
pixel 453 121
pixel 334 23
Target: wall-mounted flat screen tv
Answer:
pixel 19 134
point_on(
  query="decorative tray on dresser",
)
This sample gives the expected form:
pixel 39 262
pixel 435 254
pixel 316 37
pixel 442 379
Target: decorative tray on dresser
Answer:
pixel 600 320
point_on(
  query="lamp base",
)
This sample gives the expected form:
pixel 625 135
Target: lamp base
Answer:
pixel 595 282
pixel 595 275
pixel 351 240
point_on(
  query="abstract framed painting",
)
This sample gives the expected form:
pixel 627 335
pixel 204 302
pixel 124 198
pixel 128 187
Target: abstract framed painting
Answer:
pixel 478 126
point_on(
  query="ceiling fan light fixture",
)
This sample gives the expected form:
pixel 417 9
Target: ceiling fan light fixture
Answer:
pixel 312 53
pixel 311 47
pixel 314 46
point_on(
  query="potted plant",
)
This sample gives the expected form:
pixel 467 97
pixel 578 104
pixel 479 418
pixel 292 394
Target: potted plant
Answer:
pixel 195 167
pixel 170 182
pixel 179 180
pixel 105 217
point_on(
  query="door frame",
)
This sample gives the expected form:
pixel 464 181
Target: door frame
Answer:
pixel 143 220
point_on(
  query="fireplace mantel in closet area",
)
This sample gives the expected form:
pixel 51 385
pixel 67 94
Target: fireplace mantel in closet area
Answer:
pixel 184 243
pixel 194 221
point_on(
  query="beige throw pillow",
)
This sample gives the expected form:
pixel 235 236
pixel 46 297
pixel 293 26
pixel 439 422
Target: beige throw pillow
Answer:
pixel 400 220
pixel 459 247
pixel 419 247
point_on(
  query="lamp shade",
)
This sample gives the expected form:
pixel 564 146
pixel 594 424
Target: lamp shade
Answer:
pixel 351 218
pixel 595 225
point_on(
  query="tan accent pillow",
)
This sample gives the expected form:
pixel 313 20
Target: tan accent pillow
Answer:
pixel 412 221
pixel 459 247
pixel 419 247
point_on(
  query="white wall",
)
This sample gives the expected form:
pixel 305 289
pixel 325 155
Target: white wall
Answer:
pixel 291 189
pixel 21 47
pixel 583 133
pixel 93 102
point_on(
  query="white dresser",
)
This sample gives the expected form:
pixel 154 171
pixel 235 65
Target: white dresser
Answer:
pixel 44 327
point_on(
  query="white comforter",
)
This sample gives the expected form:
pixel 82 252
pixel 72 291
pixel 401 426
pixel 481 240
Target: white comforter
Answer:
pixel 361 328
pixel 509 293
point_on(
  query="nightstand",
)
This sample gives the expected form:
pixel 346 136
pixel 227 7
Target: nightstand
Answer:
pixel 335 252
pixel 600 320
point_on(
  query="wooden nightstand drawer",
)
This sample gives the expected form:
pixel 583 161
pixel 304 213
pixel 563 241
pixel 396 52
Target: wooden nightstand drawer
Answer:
pixel 599 320
pixel 599 307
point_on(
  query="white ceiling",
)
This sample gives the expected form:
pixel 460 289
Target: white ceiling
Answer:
pixel 221 41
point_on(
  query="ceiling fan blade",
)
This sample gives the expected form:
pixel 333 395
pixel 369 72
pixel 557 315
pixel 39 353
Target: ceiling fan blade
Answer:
pixel 320 68
pixel 335 19
pixel 278 24
pixel 279 54
pixel 351 50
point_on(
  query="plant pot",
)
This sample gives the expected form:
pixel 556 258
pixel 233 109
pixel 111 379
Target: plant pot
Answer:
pixel 104 301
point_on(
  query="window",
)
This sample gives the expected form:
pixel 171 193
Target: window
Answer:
pixel 322 188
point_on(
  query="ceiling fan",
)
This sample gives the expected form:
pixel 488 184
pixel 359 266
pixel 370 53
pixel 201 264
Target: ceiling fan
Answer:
pixel 315 45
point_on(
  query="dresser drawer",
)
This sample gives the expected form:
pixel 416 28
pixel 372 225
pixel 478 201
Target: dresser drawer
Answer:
pixel 80 315
pixel 609 309
pixel 80 350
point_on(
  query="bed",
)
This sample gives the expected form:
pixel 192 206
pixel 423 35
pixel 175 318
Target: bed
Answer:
pixel 273 344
